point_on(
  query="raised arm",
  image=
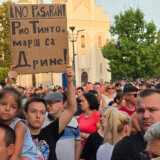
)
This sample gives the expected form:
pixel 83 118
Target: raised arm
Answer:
pixel 69 112
pixel 12 75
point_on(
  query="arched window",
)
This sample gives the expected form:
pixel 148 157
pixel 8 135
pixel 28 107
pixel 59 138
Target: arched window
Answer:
pixel 99 41
pixel 84 78
pixel 83 41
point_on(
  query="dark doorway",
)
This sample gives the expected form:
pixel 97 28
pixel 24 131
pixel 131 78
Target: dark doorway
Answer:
pixel 84 78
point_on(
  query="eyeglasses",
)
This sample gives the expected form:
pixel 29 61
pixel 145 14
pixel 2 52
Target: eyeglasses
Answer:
pixel 52 102
pixel 135 95
pixel 110 88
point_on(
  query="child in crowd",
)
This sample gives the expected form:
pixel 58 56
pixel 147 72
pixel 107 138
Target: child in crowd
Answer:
pixel 10 106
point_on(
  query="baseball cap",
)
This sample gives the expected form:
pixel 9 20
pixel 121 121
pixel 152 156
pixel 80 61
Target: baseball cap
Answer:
pixel 54 96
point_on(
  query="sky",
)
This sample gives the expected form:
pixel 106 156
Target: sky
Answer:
pixel 150 8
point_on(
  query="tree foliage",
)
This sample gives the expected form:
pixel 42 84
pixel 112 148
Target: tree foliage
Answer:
pixel 135 52
pixel 5 49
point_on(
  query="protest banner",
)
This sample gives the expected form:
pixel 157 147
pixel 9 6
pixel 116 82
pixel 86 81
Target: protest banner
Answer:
pixel 39 39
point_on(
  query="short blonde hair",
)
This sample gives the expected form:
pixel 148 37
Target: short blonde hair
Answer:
pixel 114 124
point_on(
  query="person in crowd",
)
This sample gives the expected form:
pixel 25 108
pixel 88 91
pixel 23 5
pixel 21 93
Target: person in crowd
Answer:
pixel 101 97
pixel 90 86
pixel 135 126
pixel 22 91
pixel 157 86
pixel 130 93
pixel 117 126
pixel 152 137
pixel 7 142
pixel 46 92
pixel 120 99
pixel 27 95
pixel 118 87
pixel 47 137
pixel 92 91
pixel 95 139
pixel 80 92
pixel 38 91
pixel 88 121
pixel 110 93
pixel 70 142
pixel 54 107
pixel 10 106
pixel 85 88
pixel 122 84
pixel 148 112
pixel 143 86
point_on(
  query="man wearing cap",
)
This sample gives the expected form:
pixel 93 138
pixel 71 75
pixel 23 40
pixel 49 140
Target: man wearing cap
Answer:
pixel 54 107
pixel 148 112
pixel 70 141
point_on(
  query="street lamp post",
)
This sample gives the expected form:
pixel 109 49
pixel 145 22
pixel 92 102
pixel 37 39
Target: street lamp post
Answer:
pixel 73 38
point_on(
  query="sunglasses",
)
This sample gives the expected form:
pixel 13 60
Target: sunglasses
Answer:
pixel 110 88
pixel 135 95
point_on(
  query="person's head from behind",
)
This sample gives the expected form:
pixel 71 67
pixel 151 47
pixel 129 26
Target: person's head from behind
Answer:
pixel 46 92
pixel 92 91
pixel 117 125
pixel 118 87
pixel 80 92
pixel 35 111
pixel 54 104
pixel 21 90
pixel 143 86
pixel 89 102
pixel 7 142
pixel 130 93
pixel 148 108
pixel 10 104
pixel 152 137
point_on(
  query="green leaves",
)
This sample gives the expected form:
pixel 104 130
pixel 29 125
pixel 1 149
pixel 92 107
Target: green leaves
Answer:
pixel 133 53
pixel 5 49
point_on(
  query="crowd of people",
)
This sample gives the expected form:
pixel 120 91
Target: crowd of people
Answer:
pixel 109 121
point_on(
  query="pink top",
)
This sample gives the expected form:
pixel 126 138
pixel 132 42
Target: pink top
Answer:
pixel 88 125
pixel 124 109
